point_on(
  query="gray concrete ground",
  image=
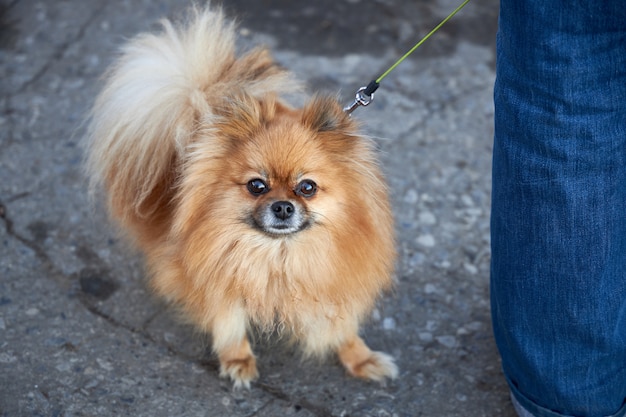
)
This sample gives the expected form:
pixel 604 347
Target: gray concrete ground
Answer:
pixel 80 335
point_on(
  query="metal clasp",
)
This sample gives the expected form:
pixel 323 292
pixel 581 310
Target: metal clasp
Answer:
pixel 361 99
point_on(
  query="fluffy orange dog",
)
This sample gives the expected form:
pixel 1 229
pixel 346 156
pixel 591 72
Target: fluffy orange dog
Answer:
pixel 250 213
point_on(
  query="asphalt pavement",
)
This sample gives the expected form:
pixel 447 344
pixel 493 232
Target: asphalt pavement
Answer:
pixel 81 334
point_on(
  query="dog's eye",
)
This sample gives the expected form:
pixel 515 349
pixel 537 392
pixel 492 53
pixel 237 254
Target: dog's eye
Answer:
pixel 257 187
pixel 306 188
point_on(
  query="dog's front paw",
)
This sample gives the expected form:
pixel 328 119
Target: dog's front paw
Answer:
pixel 378 366
pixel 241 371
pixel 361 362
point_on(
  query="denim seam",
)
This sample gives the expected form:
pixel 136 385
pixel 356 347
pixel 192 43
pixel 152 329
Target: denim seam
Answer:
pixel 539 411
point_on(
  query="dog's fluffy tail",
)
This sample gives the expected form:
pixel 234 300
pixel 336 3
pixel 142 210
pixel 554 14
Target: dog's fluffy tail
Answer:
pixel 155 94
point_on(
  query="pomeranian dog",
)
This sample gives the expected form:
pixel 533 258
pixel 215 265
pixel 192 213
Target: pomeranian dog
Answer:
pixel 251 214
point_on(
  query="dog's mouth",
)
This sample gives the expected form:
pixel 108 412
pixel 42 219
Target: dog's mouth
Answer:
pixel 283 230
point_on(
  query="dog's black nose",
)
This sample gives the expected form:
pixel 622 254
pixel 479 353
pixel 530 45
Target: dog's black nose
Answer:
pixel 282 209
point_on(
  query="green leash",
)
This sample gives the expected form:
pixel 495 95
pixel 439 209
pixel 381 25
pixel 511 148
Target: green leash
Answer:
pixel 365 95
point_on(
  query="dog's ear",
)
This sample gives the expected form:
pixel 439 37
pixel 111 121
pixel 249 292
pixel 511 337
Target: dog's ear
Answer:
pixel 324 114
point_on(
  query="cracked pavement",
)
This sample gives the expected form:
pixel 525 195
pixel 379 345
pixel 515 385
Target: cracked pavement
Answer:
pixel 80 334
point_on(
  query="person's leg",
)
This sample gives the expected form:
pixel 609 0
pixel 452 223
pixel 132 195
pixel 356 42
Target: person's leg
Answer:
pixel 558 273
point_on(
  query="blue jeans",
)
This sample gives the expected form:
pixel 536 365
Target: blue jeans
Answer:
pixel 558 272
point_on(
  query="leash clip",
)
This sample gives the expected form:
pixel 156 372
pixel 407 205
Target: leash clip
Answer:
pixel 362 98
pixel 365 95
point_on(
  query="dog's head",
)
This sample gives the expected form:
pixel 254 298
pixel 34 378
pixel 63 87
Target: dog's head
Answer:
pixel 279 171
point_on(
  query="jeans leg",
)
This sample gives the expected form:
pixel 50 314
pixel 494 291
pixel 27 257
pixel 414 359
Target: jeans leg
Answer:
pixel 558 273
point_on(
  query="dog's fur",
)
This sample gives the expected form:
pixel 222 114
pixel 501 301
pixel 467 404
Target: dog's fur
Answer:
pixel 176 136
